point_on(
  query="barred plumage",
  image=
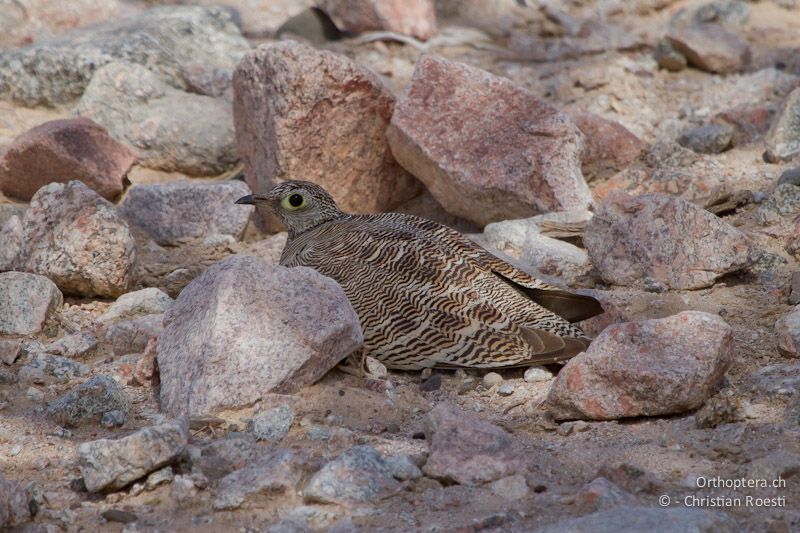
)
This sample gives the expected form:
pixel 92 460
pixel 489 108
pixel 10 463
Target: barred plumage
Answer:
pixel 426 295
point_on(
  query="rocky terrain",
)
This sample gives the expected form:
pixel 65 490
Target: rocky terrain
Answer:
pixel 161 372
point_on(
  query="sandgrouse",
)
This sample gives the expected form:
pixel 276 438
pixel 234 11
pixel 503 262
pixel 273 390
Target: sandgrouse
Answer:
pixel 426 295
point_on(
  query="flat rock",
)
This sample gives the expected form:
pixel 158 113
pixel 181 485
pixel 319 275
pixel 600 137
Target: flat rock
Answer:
pixel 409 17
pixel 177 211
pixel 708 139
pixel 191 48
pixel 286 93
pixel 486 149
pixel 358 475
pixel 783 139
pixel 137 303
pixel 45 367
pixel 711 47
pixel 626 519
pixel 275 470
pixel 112 464
pixel 132 336
pixel 26 302
pixel 245 328
pixel 665 238
pixel 88 402
pixel 468 450
pixel 272 424
pixel 645 368
pixel 77 239
pixel 171 130
pixel 61 151
pixel 73 344
pixel 14 508
pixel 610 146
pixel 403 467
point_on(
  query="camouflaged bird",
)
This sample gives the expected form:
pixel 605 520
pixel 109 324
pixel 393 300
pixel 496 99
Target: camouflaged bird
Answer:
pixel 426 295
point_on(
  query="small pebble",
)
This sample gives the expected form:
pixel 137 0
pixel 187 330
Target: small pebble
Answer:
pixel 431 384
pixel 34 394
pixel 506 389
pixel 491 379
pixel 118 515
pixel 537 373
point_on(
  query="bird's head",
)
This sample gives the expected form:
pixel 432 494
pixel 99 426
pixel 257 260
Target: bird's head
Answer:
pixel 301 205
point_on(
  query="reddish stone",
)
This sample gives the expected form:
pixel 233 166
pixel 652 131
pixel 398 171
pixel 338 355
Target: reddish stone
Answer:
pixel 646 368
pixel 665 238
pixel 750 123
pixel 486 149
pixel 410 17
pixel 62 151
pixel 316 115
pixel 610 146
pixel 711 47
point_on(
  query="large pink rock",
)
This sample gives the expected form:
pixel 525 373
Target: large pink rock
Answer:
pixel 65 150
pixel 646 368
pixel 78 240
pixel 301 112
pixel 486 149
pixel 665 238
pixel 467 449
pixel 245 328
pixel 410 17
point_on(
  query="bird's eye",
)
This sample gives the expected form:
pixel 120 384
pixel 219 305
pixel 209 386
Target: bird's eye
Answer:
pixel 294 201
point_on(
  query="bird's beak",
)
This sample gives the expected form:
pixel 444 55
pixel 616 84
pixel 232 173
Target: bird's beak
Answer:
pixel 250 199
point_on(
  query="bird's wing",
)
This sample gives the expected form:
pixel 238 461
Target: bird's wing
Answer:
pixel 422 302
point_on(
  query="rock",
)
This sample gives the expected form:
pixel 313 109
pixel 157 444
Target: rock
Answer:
pixel 112 464
pixel 610 146
pixel 14 507
pixel 358 475
pixel 11 237
pixel 191 48
pixel 221 457
pixel 729 13
pixel 776 465
pixel 286 93
pixel 645 368
pixel 261 18
pixel 794 290
pixel 43 366
pixel 790 177
pixel 783 202
pixel 10 350
pixel 272 424
pixel 750 123
pixel 73 345
pixel 666 238
pixel 486 149
pixel 403 467
pixel 601 494
pixel 114 419
pixel 523 241
pixel 711 47
pixel 708 139
pixel 183 490
pixel 34 394
pixel 497 18
pixel 506 389
pixel 177 211
pixel 468 450
pixel 26 302
pixel 88 402
pixel 171 130
pixel 668 58
pixel 131 336
pixel 510 488
pixel 416 18
pixel 537 373
pixel 783 139
pixel 119 516
pixel 62 151
pixel 134 304
pixel 158 478
pixel 275 470
pixel 245 328
pixel 491 379
pixel 78 240
pixel 433 383
pixel 626 519
pixel 787 330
